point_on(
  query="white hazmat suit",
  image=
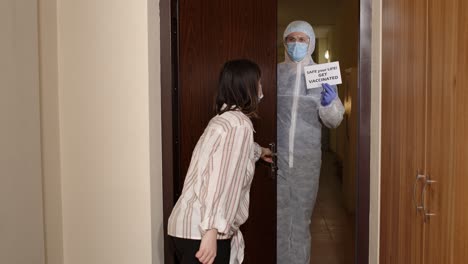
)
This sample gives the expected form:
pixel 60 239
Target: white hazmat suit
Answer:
pixel 299 122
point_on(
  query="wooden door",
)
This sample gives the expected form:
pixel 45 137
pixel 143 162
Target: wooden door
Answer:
pixel 443 193
pixel 210 33
pixel 446 231
pixel 403 129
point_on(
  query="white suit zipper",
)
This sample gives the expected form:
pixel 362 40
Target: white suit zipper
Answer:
pixel 292 129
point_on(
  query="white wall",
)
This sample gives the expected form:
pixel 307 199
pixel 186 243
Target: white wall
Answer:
pixel 106 170
pixel 21 219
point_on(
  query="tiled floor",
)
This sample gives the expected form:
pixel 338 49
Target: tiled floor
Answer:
pixel 332 228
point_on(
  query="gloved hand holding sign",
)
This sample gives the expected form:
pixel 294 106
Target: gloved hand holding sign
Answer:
pixel 328 94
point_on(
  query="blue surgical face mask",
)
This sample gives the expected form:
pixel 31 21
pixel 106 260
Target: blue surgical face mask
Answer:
pixel 297 50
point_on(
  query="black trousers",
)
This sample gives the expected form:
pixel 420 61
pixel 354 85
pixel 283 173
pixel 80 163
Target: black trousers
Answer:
pixel 186 249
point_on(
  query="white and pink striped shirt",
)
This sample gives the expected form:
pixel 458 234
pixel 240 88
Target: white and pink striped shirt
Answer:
pixel 216 189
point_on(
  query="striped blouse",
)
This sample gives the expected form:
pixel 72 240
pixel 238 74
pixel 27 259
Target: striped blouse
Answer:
pixel 217 185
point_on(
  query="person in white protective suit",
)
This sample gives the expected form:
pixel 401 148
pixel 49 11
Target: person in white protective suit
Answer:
pixel 301 113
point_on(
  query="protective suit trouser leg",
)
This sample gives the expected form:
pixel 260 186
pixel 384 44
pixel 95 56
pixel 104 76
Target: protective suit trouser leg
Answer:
pixel 284 220
pixel 303 198
pixel 297 193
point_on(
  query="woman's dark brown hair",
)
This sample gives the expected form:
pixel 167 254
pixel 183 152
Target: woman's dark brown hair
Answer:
pixel 238 87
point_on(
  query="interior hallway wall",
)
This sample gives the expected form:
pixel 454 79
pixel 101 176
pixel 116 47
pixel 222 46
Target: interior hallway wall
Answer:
pixel 345 39
pixel 104 124
pixel 344 47
pixel 21 217
pixel 101 124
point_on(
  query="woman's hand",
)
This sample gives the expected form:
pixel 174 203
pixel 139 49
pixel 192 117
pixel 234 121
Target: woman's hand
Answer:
pixel 266 155
pixel 207 252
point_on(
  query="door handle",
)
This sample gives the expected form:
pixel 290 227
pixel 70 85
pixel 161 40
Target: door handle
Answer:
pixel 274 159
pixel 427 214
pixel 419 176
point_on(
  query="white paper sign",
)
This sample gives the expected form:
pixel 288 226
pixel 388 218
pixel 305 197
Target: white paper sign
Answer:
pixel 322 73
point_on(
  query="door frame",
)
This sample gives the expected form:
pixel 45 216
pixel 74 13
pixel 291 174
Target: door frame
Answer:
pixel 170 127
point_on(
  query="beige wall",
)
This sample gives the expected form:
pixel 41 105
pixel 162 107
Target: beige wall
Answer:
pixel 101 119
pixel 50 131
pixel 374 228
pixel 154 68
pixel 21 219
pixel 104 124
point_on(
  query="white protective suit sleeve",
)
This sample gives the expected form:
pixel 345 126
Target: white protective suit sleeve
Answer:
pixel 332 114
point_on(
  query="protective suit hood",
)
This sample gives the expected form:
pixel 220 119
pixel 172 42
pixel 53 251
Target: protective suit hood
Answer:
pixel 306 28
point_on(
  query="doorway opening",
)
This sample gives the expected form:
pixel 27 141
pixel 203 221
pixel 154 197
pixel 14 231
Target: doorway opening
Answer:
pixel 336 26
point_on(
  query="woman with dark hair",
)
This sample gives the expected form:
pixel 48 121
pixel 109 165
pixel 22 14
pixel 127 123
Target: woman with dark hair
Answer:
pixel 214 203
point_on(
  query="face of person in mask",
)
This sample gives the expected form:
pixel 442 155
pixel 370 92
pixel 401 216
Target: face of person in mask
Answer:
pixel 297 44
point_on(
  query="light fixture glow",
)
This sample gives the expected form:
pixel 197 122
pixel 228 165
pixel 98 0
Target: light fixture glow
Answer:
pixel 327 55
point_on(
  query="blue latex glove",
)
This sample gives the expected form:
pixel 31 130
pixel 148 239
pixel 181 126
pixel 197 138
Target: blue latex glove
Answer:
pixel 328 94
